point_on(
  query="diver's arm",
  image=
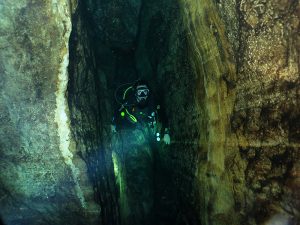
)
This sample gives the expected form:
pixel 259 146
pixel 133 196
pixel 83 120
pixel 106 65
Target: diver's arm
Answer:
pixel 123 101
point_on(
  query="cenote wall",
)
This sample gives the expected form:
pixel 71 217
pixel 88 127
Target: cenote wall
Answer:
pixel 226 74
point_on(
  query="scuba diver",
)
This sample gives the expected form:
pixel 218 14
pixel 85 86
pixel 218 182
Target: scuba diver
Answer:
pixel 139 131
pixel 137 109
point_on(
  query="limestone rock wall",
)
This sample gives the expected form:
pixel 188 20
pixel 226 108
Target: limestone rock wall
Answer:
pixel 228 72
pixel 42 181
pixel 186 51
pixel 266 110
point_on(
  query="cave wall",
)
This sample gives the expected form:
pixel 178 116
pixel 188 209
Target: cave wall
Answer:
pixel 115 30
pixel 42 180
pixel 266 110
pixel 89 115
pixel 116 23
pixel 229 76
pixel 185 51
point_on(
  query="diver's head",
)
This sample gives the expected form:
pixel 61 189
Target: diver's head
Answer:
pixel 142 92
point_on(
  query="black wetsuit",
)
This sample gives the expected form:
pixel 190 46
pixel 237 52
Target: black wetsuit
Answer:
pixel 146 115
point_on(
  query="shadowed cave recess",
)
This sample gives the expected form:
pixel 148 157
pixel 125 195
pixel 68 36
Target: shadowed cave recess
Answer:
pixel 226 75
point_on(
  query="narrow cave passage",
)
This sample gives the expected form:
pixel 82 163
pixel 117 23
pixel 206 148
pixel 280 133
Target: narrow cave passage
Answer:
pixel 190 53
pixel 108 57
pixel 80 145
